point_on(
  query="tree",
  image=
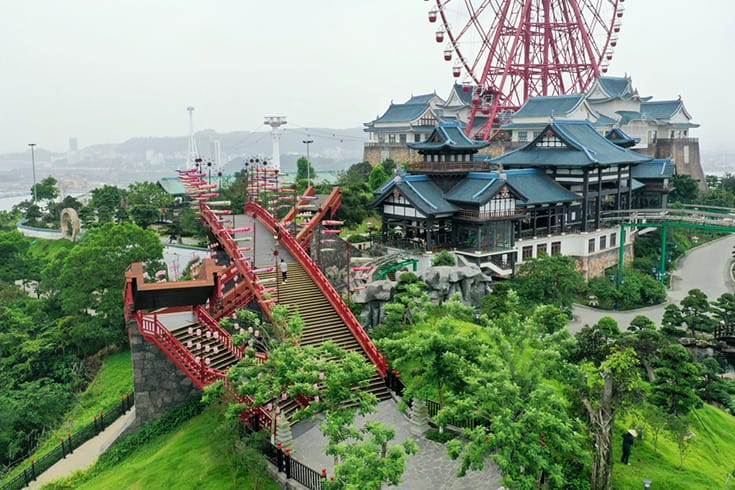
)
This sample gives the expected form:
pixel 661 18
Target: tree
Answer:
pixel 46 189
pixel 355 177
pixel 548 280
pixel 609 387
pixel 686 189
pixel 444 257
pixel 695 310
pixel 107 205
pixel 434 359
pixel 674 389
pixel 517 401
pixel 369 462
pixel 377 178
pixel 92 277
pixel 641 322
pixel 389 165
pixel 672 321
pixel 305 173
pixel 595 343
pixel 723 309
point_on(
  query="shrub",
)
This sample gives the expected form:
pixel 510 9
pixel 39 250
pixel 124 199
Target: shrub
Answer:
pixel 444 258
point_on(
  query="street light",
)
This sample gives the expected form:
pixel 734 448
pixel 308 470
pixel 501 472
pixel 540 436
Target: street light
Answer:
pixel 33 162
pixel 308 163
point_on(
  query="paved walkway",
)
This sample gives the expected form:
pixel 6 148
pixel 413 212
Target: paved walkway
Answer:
pixel 85 455
pixel 706 268
pixel 430 468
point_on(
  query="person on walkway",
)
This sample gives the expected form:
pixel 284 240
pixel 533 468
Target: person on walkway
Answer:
pixel 628 440
pixel 284 271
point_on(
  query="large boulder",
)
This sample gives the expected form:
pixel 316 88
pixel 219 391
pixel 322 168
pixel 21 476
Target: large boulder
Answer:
pixel 372 299
pixel 445 281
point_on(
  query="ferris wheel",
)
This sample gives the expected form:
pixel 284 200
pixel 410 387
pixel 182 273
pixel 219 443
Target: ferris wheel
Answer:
pixel 510 50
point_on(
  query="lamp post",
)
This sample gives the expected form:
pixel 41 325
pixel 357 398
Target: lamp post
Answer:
pixel 33 163
pixel 308 163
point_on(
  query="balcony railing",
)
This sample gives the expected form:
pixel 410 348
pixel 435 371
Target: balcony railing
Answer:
pixel 482 216
pixel 448 167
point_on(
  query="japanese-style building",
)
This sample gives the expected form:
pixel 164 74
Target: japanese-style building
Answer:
pixel 548 196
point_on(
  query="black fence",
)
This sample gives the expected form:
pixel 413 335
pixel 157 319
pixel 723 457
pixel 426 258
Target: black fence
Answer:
pixel 460 423
pixel 281 459
pixel 68 445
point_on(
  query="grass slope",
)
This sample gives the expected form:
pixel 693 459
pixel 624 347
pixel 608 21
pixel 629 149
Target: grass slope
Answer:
pixel 707 462
pixel 194 456
pixel 114 380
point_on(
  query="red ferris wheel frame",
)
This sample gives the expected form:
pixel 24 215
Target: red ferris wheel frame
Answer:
pixel 515 49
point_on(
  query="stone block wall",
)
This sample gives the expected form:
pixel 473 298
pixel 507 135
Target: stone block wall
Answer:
pixel 159 384
pixel 596 265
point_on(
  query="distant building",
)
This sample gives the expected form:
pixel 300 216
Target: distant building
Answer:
pixel 546 197
pixel 658 128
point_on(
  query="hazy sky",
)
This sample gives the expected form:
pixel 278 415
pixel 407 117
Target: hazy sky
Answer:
pixel 105 71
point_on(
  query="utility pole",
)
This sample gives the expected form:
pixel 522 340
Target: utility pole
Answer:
pixel 308 163
pixel 33 162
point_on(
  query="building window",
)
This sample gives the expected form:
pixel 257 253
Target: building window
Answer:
pixel 403 139
pixel 417 138
pixel 555 248
pixel 535 134
pixel 527 252
pixel 603 242
pixel 381 138
pixel 591 245
pixel 541 249
pixel 613 239
pixel 391 138
pixel 686 154
pixel 522 136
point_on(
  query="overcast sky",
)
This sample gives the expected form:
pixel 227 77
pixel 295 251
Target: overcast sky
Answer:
pixel 105 71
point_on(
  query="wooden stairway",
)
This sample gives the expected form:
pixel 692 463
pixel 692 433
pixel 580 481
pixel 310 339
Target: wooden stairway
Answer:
pixel 321 322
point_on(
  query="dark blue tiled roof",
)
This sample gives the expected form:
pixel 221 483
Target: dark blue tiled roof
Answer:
pixel 580 146
pixel 655 169
pixel 476 187
pixel 421 99
pixel 448 135
pixel 538 187
pixel 464 95
pixel 403 112
pixel 420 191
pixel 660 109
pixel 621 138
pixel 549 105
pixel 627 116
pixel 616 86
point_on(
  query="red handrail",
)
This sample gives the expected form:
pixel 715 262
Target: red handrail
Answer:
pixel 333 201
pixel 154 331
pixel 243 267
pixel 223 335
pixel 326 287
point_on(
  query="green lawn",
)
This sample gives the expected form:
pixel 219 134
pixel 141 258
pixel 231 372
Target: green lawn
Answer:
pixel 114 380
pixel 191 457
pixel 707 461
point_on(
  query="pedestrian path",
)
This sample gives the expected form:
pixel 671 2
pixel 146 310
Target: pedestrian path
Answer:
pixel 706 267
pixel 430 468
pixel 85 455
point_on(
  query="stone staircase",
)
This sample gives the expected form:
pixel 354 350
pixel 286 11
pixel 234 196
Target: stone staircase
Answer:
pixel 321 322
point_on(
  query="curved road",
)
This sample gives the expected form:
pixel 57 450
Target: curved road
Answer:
pixel 706 268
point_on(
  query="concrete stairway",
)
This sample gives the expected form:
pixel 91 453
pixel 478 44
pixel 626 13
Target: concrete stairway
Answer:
pixel 321 322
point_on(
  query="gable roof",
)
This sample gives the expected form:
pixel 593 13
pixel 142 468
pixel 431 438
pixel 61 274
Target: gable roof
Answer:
pixel 654 170
pixel 662 109
pixel 448 136
pixel 402 113
pixel 424 99
pixel 547 106
pixel 478 188
pixel 568 143
pixel 538 187
pixel 420 191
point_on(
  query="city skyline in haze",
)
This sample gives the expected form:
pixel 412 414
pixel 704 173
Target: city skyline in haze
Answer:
pixel 104 72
